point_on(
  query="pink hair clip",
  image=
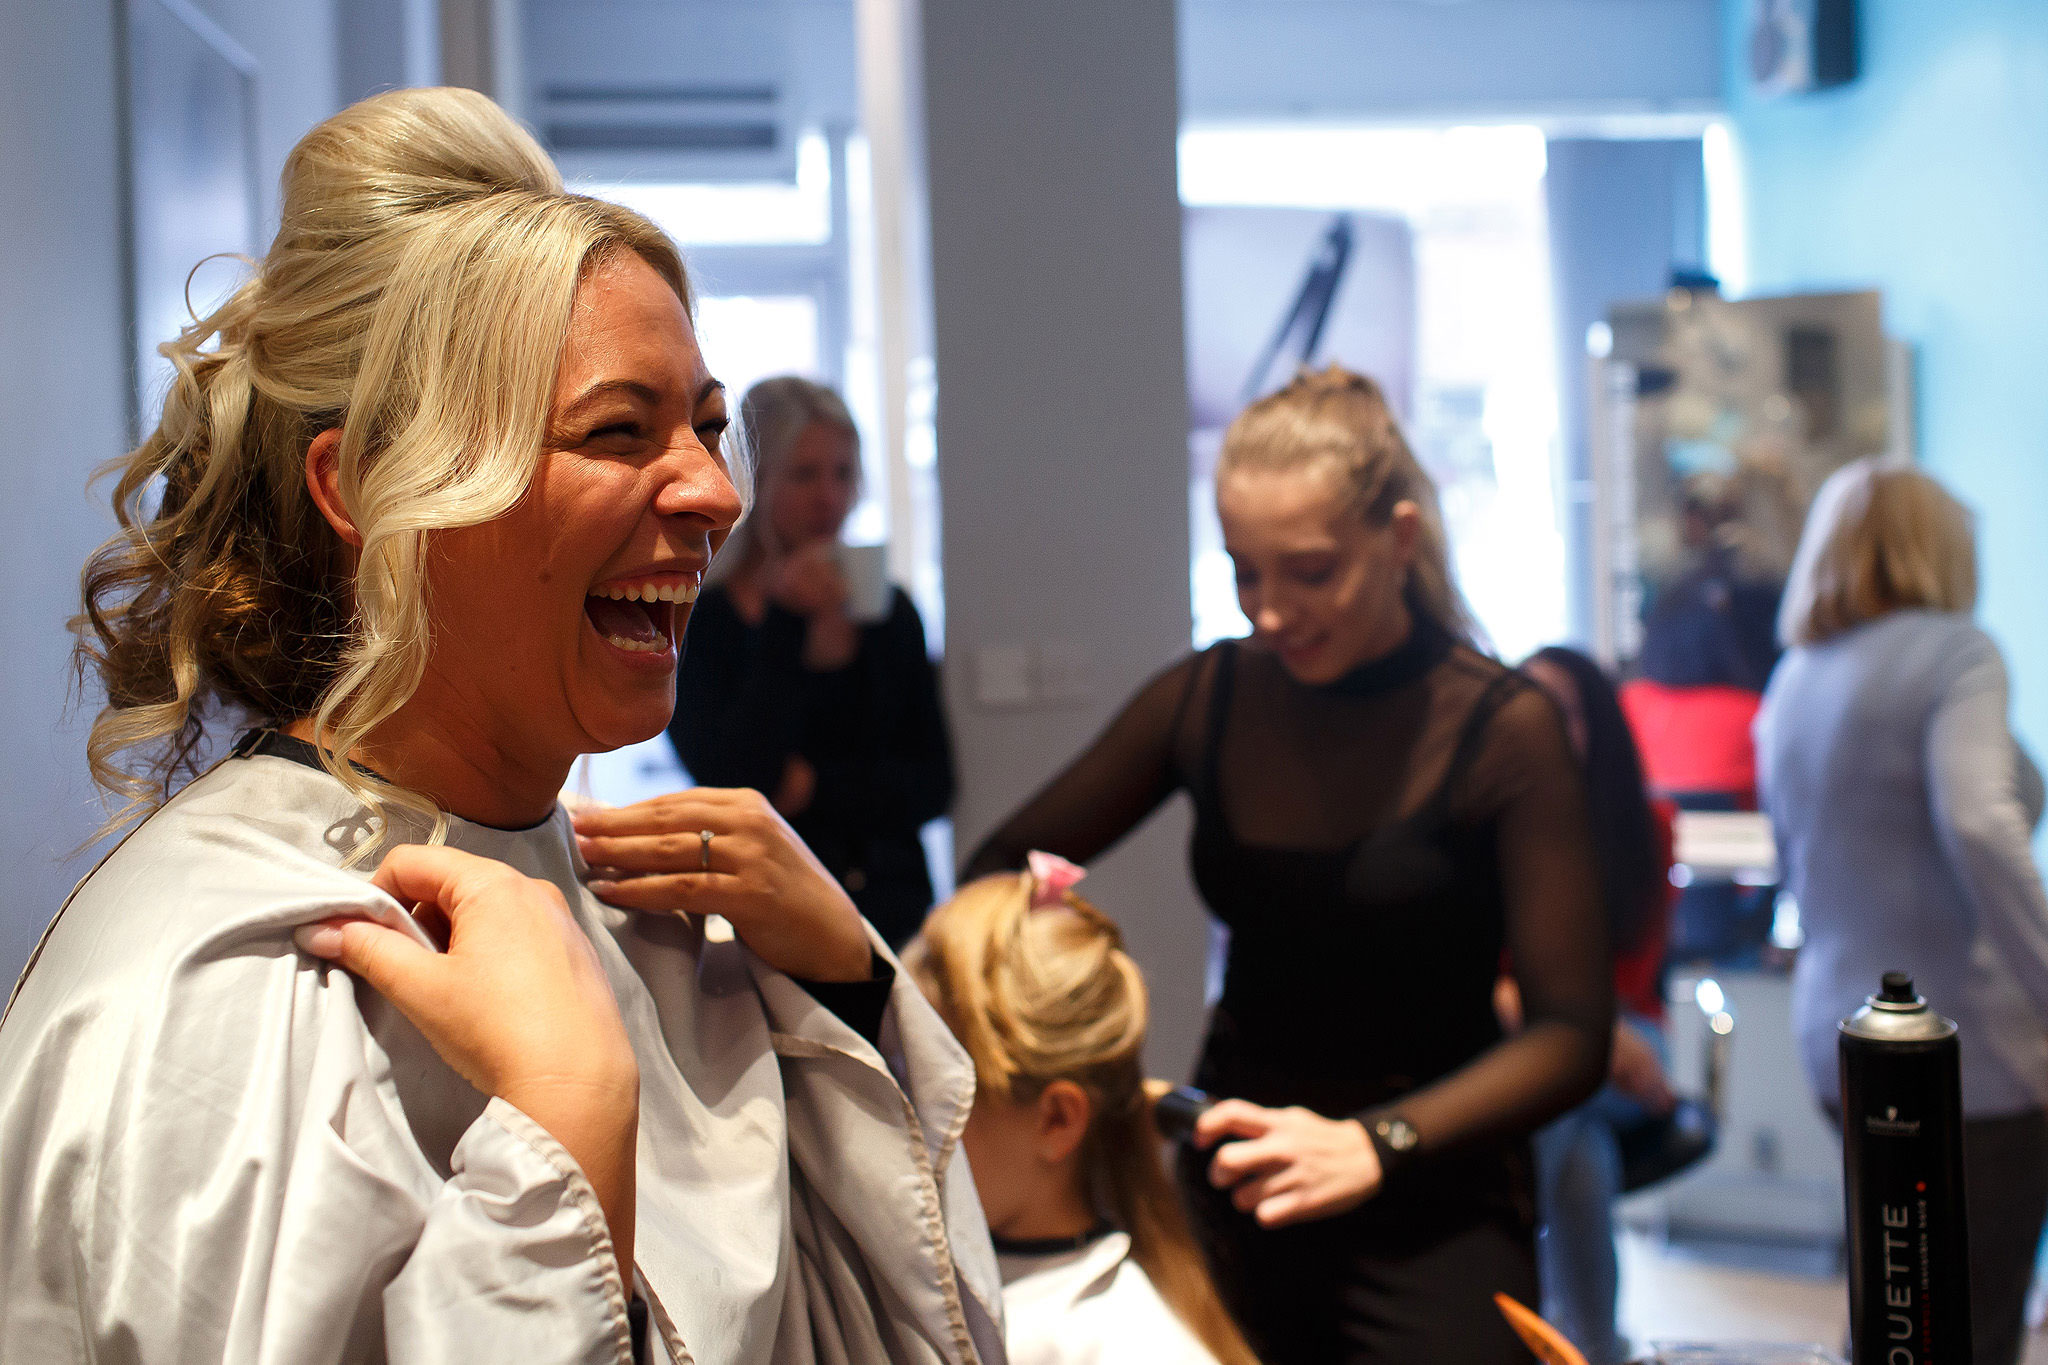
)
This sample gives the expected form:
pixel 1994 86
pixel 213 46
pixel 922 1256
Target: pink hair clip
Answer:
pixel 1051 878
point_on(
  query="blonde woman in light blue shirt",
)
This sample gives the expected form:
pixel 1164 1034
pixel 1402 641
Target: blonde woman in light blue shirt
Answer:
pixel 1903 809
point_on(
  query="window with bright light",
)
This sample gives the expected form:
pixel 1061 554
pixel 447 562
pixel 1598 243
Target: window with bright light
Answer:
pixel 748 338
pixel 795 214
pixel 1483 404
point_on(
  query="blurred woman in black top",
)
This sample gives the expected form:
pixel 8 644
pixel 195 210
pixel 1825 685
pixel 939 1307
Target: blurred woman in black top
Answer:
pixel 1381 810
pixel 1579 1167
pixel 836 721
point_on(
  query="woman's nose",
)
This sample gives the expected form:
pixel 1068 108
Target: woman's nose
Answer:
pixel 697 485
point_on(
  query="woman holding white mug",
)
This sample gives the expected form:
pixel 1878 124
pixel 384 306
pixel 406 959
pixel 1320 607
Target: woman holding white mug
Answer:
pixel 797 687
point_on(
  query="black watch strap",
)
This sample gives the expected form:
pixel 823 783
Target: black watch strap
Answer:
pixel 1393 1138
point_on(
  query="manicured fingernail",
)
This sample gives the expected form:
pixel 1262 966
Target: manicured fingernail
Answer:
pixel 321 940
pixel 600 887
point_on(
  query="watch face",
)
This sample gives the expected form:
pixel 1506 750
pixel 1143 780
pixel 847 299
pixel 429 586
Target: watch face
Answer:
pixel 1397 1134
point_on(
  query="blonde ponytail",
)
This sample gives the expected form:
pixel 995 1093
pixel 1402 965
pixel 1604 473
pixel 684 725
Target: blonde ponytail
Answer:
pixel 1049 994
pixel 1148 1207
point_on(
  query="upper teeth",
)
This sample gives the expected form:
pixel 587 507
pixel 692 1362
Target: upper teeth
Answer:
pixel 649 592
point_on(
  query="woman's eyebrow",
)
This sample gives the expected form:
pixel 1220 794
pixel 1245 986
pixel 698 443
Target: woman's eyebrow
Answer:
pixel 642 393
pixel 604 388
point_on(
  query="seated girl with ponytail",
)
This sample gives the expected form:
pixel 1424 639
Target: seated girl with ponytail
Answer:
pixel 1097 1261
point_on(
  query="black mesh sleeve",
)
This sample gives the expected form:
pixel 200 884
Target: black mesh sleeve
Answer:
pixel 860 1005
pixel 1556 942
pixel 1124 776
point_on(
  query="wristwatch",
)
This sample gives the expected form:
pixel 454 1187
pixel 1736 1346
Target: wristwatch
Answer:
pixel 1396 1134
pixel 1394 1139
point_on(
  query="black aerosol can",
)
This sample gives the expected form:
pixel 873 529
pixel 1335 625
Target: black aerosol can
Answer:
pixel 1902 1165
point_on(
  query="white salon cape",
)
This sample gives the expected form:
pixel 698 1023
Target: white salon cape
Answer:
pixel 1093 1306
pixel 214 1147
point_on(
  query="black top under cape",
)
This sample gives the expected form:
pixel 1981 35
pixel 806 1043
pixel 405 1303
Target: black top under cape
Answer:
pixel 1378 847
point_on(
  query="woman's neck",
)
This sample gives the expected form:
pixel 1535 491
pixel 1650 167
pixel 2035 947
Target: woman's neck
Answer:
pixel 1058 1209
pixel 458 768
pixel 1393 632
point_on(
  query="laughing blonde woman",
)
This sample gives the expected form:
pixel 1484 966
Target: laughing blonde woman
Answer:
pixel 355 1049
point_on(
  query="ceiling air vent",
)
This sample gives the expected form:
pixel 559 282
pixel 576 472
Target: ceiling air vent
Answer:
pixel 669 132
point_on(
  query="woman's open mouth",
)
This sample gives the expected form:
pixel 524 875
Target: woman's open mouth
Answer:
pixel 639 617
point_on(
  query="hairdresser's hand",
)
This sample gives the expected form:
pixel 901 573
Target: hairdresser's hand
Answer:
pixel 518 1004
pixel 1288 1165
pixel 781 901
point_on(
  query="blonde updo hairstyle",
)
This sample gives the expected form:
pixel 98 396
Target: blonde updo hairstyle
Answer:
pixel 417 297
pixel 1339 420
pixel 1046 994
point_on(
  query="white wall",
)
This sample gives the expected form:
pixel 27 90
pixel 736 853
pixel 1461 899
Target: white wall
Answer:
pixel 63 383
pixel 297 52
pixel 385 44
pixel 1062 411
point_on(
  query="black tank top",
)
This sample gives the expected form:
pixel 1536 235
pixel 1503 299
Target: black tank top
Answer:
pixel 1382 952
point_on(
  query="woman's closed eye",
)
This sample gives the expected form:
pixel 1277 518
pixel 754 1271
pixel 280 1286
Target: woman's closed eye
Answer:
pixel 616 435
pixel 627 436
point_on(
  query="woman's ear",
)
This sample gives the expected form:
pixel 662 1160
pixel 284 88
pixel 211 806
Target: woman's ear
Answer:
pixel 1064 1112
pixel 323 481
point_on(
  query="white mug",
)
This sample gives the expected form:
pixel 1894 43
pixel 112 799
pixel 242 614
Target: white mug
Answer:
pixel 866 570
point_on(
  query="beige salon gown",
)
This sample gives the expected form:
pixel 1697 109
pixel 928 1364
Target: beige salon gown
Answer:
pixel 215 1147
